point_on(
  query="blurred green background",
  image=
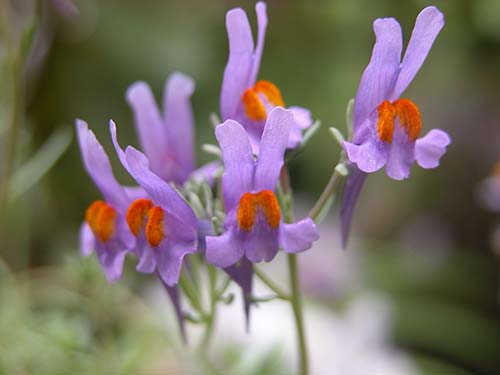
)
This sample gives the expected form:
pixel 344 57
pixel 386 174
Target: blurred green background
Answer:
pixel 424 242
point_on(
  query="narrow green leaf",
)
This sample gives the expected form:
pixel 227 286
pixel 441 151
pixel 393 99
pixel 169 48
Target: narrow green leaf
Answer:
pixel 44 159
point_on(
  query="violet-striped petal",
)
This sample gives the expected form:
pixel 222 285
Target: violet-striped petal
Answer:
pixel 429 23
pixel 116 144
pixel 379 77
pixel 273 145
pixel 239 65
pixel 238 161
pixel 134 192
pixel 260 10
pixel 97 165
pixel 161 193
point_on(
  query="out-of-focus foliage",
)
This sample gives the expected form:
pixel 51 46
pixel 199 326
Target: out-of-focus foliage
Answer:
pixel 68 319
pixel 62 320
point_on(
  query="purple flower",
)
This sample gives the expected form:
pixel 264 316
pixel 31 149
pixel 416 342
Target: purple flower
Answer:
pixel 164 225
pixel 254 227
pixel 386 127
pixel 243 98
pixel 105 229
pixel 166 139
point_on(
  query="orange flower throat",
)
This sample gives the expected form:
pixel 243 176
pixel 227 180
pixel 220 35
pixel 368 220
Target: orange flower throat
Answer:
pixel 101 218
pixel 154 227
pixel 143 214
pixel 252 101
pixel 264 201
pixel 137 214
pixel 408 116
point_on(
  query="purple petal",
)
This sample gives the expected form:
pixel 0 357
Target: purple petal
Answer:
pixel 146 255
pixel 161 193
pixel 207 172
pixel 116 144
pixel 295 138
pixel 298 236
pixel 262 243
pixel 205 228
pixel 430 148
pixel 111 256
pixel 97 165
pixel 380 75
pixel 179 230
pixel 87 240
pixel 273 145
pixel 169 256
pixel 242 274
pixel 401 155
pixel 239 64
pixel 352 189
pixel 370 156
pixel 149 125
pixel 260 9
pixel 302 117
pixel 429 23
pixel 224 250
pixel 135 192
pixel 302 120
pixel 179 123
pixel 173 294
pixel 132 192
pixel 238 161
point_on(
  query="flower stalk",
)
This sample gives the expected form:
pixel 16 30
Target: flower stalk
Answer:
pixel 210 317
pixel 296 302
pixel 326 196
pixel 295 296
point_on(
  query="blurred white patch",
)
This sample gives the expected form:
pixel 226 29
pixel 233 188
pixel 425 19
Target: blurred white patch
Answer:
pixel 355 342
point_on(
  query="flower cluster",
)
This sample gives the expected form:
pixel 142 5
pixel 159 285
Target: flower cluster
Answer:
pixel 236 212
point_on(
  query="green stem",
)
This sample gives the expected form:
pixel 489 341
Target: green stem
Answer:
pixel 223 288
pixel 210 318
pixel 325 196
pixel 296 301
pixel 14 64
pixel 187 286
pixel 266 298
pixel 295 298
pixel 271 284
